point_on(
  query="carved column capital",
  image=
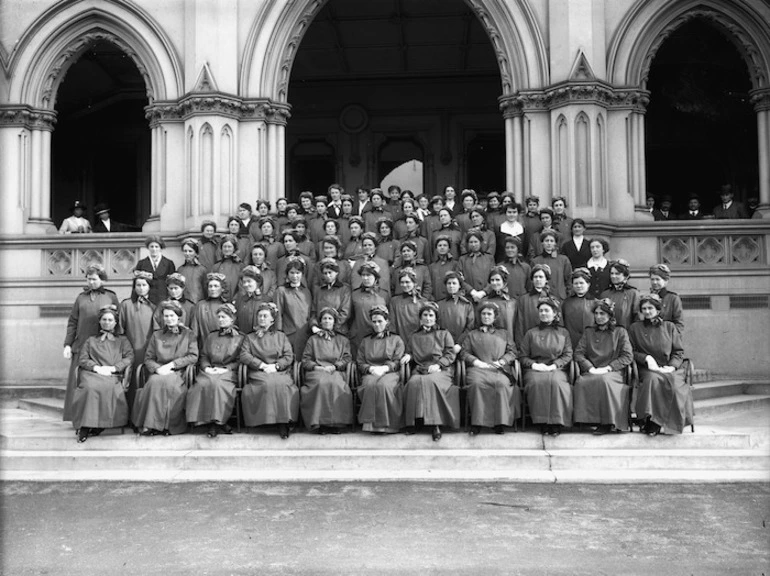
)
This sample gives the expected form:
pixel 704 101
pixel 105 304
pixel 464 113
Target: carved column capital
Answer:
pixel 27 117
pixel 760 99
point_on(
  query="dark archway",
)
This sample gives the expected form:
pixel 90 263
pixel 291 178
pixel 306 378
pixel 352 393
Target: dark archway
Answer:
pixel 701 127
pixel 412 70
pixel 101 146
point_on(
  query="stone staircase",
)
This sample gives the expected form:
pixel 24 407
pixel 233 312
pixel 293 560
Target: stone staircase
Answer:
pixel 731 444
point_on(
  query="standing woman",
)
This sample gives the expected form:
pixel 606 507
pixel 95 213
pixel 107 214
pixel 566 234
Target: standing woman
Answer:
pixel 84 323
pixel 431 398
pixel 363 300
pixel 270 395
pixel 663 399
pixel 230 265
pixel 157 265
pixel 455 312
pixel 175 284
pixel 271 247
pixel 160 405
pixel 266 269
pixel 508 308
pixel 604 350
pixel 294 301
pixel 378 362
pixel 671 310
pixel 495 402
pixel 443 262
pixel 412 234
pixel 99 401
pixel 326 400
pixel 545 351
pixel 476 264
pixel 248 300
pixel 242 237
pixel 511 227
pixel 209 248
pixel 561 269
pixel 450 229
pixel 137 321
pixel 576 249
pixel 211 398
pixel 528 317
pixel 479 224
pixel 599 266
pixel 561 221
pixel 405 308
pixel 205 315
pixel 193 271
pixel 354 246
pixel 625 296
pixel 387 245
pixel 578 310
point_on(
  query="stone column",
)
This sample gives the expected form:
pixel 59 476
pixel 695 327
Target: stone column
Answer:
pixel 515 147
pixel 761 100
pixel 277 116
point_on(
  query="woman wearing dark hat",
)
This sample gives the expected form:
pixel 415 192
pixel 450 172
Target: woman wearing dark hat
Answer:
pixel 518 271
pixel 663 399
pixel 289 240
pixel 84 323
pixel 671 310
pixel 209 245
pixel 331 293
pixel 316 223
pixel 404 308
pixel 103 224
pixel 243 239
pixel 305 245
pixel 561 220
pixel 488 353
pixel 412 234
pixel 157 265
pixel 476 264
pixel 230 265
pixel 407 258
pixel 599 266
pixel 211 398
pixel 100 401
pixel 478 221
pixel 175 286
pixel 205 315
pixel 77 223
pixel 331 229
pixel 604 350
pixel 387 245
pixel 495 215
pixel 545 351
pixel 449 228
pixel 431 398
pixel 331 249
pixel 160 405
pixel 561 269
pixel 625 296
pixel 379 362
pixel 258 259
pixel 546 225
pixel 578 310
pixel 270 396
pixel 363 299
pixel 527 316
pixel 576 249
pixel 138 321
pixel 326 400
pixel 281 218
pixel 294 300
pixel 455 312
pixel 249 298
pixel 272 247
pixel 497 292
pixel 443 262
pixel 354 247
pixel 369 246
pixel 193 271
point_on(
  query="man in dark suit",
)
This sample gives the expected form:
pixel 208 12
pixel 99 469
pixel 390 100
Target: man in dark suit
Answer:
pixel 693 209
pixel 334 210
pixel 729 209
pixel 663 213
pixel 363 203
pixel 104 224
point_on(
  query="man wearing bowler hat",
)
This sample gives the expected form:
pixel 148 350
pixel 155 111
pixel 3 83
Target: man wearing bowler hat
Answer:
pixel 104 223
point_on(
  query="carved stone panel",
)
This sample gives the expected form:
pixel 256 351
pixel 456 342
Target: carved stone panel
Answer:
pixel 676 251
pixel 88 257
pixel 58 262
pixel 123 261
pixel 710 250
pixel 746 250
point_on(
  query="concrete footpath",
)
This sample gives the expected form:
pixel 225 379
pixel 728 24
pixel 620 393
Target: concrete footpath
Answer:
pixel 374 528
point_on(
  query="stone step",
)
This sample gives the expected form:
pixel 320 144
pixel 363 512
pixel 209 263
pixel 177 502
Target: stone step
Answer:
pixel 720 388
pixel 700 375
pixel 53 407
pixel 727 404
pixel 11 392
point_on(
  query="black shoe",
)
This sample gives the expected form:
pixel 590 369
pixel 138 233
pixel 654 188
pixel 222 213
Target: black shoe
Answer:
pixel 653 429
pixel 283 431
pixel 436 433
pixel 499 429
pixel 148 432
pixel 545 429
pixel 166 433
pixel 95 431
pixel 602 430
pixel 410 430
pixel 225 429
pixel 475 430
pixel 82 434
pixel 555 430
pixel 212 431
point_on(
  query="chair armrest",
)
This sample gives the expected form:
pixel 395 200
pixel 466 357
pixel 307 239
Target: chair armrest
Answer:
pixel 189 374
pixel 141 376
pixel 350 375
pixel 243 375
pixel 297 374
pixel 406 373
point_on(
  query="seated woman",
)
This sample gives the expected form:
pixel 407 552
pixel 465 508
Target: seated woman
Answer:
pixel 663 399
pixel 625 296
pixel 379 361
pixel 488 352
pixel 545 351
pixel 100 401
pixel 160 405
pixel 326 400
pixel 211 398
pixel 672 304
pixel 431 398
pixel 270 395
pixel 601 397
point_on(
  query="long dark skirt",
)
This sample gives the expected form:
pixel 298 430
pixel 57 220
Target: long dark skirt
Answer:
pixel 602 399
pixel 326 400
pixel 270 399
pixel 69 394
pixel 549 397
pixel 493 399
pixel 666 399
pixel 433 398
pixel 382 403
pixel 99 402
pixel 211 398
pixel 160 404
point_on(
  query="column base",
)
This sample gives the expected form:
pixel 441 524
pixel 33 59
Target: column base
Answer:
pixel 764 210
pixel 643 214
pixel 152 224
pixel 40 226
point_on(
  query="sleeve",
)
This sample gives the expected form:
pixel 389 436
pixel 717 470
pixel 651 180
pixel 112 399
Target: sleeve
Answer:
pixel 280 303
pixel 309 355
pixel 624 355
pixel 566 352
pixel 580 355
pixel 126 354
pixel 677 313
pixel 84 359
pixel 677 350
pixel 205 359
pixel 287 355
pixel 72 323
pixel 448 355
pixel 525 347
pixel 191 353
pixel 427 285
pixel 466 352
pixel 345 355
pixel 510 350
pixel 247 356
pixel 361 363
pixel 151 355
pixel 346 307
pixel 639 356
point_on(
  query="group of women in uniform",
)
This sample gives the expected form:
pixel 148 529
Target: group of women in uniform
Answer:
pixel 389 309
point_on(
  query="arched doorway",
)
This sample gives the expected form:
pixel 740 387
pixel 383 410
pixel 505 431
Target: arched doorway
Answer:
pixel 101 146
pixel 412 71
pixel 701 126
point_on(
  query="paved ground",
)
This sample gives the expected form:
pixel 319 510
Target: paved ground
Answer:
pixel 369 529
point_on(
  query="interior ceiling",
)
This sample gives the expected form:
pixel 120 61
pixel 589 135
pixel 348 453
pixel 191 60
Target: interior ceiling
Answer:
pixel 363 39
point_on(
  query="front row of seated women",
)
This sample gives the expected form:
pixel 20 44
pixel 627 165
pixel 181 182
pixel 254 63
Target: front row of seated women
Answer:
pixel 428 398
